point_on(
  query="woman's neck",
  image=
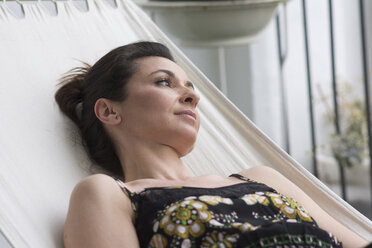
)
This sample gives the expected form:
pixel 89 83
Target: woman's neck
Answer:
pixel 153 161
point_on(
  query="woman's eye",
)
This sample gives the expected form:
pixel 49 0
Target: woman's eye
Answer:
pixel 164 82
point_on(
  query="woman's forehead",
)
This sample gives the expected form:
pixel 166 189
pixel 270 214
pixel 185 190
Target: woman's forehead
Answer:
pixel 151 65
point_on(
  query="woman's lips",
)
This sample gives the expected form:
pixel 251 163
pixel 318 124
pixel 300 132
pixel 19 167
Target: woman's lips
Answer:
pixel 188 113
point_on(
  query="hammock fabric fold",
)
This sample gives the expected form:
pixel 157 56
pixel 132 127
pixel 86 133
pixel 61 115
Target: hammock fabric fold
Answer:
pixel 41 158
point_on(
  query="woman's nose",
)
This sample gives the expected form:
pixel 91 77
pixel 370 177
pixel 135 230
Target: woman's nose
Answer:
pixel 191 97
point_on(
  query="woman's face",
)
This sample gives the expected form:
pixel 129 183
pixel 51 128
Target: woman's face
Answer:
pixel 161 105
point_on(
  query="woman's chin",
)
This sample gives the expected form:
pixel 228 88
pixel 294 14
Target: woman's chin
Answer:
pixel 185 153
pixel 186 147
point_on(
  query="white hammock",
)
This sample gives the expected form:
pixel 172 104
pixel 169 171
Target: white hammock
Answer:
pixel 40 159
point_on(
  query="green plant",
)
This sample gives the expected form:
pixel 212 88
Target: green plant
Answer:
pixel 348 146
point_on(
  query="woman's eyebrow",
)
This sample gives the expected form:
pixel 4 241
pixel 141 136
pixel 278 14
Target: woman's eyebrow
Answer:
pixel 190 84
pixel 171 74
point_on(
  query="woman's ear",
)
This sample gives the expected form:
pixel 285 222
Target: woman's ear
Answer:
pixel 105 112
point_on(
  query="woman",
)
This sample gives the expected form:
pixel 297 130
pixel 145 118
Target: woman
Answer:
pixel 136 110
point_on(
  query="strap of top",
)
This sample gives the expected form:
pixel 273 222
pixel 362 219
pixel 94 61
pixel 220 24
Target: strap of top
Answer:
pixel 130 194
pixel 241 177
pixel 250 180
pixel 122 186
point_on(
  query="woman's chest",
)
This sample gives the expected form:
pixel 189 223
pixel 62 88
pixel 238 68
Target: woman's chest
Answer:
pixel 188 212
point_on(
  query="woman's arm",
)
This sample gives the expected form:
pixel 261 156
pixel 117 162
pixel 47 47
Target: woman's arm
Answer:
pixel 284 186
pixel 99 215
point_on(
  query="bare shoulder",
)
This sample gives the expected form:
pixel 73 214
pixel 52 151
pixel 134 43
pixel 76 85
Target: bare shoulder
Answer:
pixel 99 215
pixel 95 184
pixel 258 169
pixel 262 174
pixel 97 188
pixel 273 179
pixel 96 180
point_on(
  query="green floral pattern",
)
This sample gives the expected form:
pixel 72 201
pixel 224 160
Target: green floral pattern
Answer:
pixel 288 206
pixel 215 199
pixel 185 218
pixel 189 218
pixel 238 217
pixel 258 197
pixel 217 239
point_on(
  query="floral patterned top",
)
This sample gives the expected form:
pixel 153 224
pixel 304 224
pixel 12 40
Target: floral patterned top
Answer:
pixel 247 214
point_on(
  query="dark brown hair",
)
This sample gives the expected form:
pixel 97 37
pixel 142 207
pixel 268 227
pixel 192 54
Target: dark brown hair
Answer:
pixel 107 78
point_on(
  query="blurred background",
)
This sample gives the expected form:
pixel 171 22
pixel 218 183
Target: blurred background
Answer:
pixel 300 70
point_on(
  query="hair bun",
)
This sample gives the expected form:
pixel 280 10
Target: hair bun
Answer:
pixel 70 96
